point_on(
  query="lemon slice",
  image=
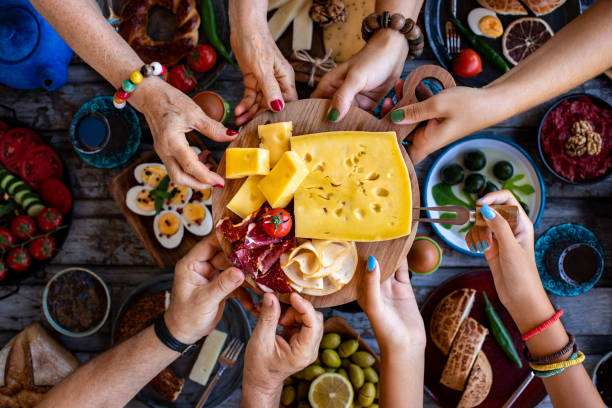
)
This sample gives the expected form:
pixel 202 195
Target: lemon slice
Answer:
pixel 330 390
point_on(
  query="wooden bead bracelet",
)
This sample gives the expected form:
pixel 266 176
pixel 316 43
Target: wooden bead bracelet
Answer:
pixel 570 347
pixel 397 22
pixel 129 85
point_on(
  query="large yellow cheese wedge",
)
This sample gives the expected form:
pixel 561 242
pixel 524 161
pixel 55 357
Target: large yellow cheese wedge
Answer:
pixel 242 162
pixel 275 137
pixel 344 39
pixel 278 187
pixel 248 198
pixel 358 188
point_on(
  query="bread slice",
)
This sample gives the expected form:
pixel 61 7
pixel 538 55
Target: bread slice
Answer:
pixel 504 6
pixel 448 316
pixel 479 383
pixel 466 347
pixel 50 361
pixel 542 7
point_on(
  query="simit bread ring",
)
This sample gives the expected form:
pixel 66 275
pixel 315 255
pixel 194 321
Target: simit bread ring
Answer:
pixel 133 28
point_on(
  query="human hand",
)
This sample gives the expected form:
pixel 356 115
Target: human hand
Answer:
pixel 270 358
pixel 392 309
pixel 366 77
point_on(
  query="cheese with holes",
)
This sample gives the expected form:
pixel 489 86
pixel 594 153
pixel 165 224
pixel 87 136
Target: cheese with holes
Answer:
pixel 278 186
pixel 248 198
pixel 207 359
pixel 358 188
pixel 344 39
pixel 275 137
pixel 243 162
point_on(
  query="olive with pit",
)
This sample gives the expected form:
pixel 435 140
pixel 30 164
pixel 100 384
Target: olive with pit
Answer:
pixel 503 170
pixel 474 183
pixel 370 375
pixel 452 174
pixel 474 160
pixel 302 390
pixel 288 381
pixel 356 376
pixel 330 341
pixel 363 359
pixel 489 188
pixel 312 371
pixel 330 358
pixel 367 394
pixel 347 348
pixel 346 362
pixel 288 395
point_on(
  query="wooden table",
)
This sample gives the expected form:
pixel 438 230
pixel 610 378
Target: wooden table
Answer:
pixel 100 238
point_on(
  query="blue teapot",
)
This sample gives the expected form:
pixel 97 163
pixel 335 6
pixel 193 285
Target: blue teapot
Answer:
pixel 32 54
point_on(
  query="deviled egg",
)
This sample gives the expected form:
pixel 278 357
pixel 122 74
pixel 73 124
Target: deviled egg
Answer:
pixel 197 218
pixel 204 196
pixel 168 229
pixel 484 22
pixel 150 173
pixel 139 200
pixel 179 196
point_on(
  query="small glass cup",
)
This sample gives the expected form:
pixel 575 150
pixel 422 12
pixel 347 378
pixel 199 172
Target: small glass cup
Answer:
pixel 92 133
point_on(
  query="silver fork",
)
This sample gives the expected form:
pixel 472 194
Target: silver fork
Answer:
pixel 462 215
pixel 453 41
pixel 227 359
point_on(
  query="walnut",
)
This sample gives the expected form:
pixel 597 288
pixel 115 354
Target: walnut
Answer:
pixel 583 140
pixel 575 146
pixel 326 12
pixel 593 144
pixel 581 127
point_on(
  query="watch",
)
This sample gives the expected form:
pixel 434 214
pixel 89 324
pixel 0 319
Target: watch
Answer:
pixel 168 340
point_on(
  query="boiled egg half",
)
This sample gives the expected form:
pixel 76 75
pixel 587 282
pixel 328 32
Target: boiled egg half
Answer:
pixel 179 196
pixel 150 173
pixel 484 22
pixel 139 200
pixel 168 229
pixel 197 219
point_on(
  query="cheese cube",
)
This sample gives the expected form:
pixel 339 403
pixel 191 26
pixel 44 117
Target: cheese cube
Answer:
pixel 242 162
pixel 275 137
pixel 278 187
pixel 207 359
pixel 248 199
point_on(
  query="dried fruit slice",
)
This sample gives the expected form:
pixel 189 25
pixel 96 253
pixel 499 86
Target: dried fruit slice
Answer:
pixel 523 37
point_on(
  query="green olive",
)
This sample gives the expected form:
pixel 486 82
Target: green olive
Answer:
pixel 377 391
pixel 312 371
pixel 330 341
pixel 343 373
pixel 452 174
pixel 474 160
pixel 525 207
pixel 288 381
pixel 330 370
pixel 374 406
pixel 288 395
pixel 363 359
pixel 474 183
pixel 317 361
pixel 356 375
pixel 366 394
pixel 503 170
pixel 370 375
pixel 330 358
pixel 488 188
pixel 302 390
pixel 346 362
pixel 348 347
pixel 303 404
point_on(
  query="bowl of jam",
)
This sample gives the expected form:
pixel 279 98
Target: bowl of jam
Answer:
pixel 76 302
pixel 602 377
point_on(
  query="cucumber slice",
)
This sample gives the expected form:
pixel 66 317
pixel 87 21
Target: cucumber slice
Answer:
pixel 3 172
pixel 23 187
pixel 4 182
pixel 23 194
pixel 29 200
pixel 34 209
pixel 12 187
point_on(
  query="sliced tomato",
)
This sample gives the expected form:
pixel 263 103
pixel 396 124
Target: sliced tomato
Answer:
pixel 39 164
pixel 55 194
pixel 14 144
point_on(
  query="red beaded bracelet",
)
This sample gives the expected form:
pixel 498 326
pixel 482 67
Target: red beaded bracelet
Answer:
pixel 543 326
pixel 127 87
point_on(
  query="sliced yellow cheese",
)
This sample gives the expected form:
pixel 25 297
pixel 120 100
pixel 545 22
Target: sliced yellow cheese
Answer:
pixel 275 137
pixel 274 4
pixel 281 19
pixel 207 359
pixel 241 162
pixel 344 39
pixel 278 187
pixel 302 28
pixel 358 188
pixel 248 198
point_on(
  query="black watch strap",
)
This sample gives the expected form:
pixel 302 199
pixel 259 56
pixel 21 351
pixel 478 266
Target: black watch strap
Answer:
pixel 164 335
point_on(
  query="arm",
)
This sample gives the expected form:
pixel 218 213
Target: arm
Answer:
pixel 169 112
pixel 517 282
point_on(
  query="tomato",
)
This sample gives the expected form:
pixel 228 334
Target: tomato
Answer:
pixel 6 238
pixel 49 219
pixel 14 144
pixel 42 248
pixel 23 227
pixel 39 164
pixel 467 64
pixel 182 78
pixel 3 270
pixel 202 58
pixel 56 195
pixel 277 222
pixel 18 259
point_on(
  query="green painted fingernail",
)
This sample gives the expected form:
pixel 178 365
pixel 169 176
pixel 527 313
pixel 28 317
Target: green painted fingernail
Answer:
pixel 397 115
pixel 333 115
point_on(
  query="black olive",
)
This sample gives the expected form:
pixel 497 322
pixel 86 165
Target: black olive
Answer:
pixel 525 207
pixel 489 188
pixel 474 183
pixel 474 160
pixel 452 174
pixel 503 170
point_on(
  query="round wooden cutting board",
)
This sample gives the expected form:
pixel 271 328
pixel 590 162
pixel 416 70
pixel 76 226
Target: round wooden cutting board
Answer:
pixel 310 116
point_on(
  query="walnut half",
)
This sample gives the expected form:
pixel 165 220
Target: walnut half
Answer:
pixel 583 140
pixel 326 12
pixel 575 146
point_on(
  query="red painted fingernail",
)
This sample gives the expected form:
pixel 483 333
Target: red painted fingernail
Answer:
pixel 218 185
pixel 231 132
pixel 277 105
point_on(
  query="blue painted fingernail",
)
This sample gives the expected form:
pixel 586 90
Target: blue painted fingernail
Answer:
pixel 485 244
pixel 472 248
pixel 479 244
pixel 488 212
pixel 371 263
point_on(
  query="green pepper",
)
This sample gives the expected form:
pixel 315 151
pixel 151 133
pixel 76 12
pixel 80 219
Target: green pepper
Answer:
pixel 207 13
pixel 500 333
pixel 481 46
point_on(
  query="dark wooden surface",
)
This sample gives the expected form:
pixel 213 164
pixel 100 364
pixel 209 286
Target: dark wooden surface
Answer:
pixel 101 239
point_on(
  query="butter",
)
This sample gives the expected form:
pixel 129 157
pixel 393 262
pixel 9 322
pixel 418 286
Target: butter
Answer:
pixel 284 179
pixel 243 162
pixel 248 198
pixel 207 359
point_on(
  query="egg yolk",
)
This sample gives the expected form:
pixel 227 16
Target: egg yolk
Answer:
pixel 144 201
pixel 194 213
pixel 203 194
pixel 152 175
pixel 490 26
pixel 168 224
pixel 178 193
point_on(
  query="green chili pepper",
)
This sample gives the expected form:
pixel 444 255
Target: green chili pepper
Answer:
pixel 500 333
pixel 481 46
pixel 207 13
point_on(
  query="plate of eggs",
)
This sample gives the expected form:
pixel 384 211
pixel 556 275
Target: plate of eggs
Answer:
pixel 175 208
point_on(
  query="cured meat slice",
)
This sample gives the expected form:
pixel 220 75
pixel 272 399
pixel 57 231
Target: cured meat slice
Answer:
pixel 256 236
pixel 235 232
pixel 275 279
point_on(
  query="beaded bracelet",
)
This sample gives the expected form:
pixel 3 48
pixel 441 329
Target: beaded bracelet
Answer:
pixel 406 26
pixel 543 326
pixel 571 345
pixel 553 366
pixel 550 373
pixel 127 87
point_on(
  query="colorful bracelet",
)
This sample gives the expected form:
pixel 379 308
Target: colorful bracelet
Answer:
pixel 127 87
pixel 543 326
pixel 550 373
pixel 570 347
pixel 397 22
pixel 553 366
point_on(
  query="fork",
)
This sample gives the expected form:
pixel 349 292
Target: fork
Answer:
pixel 462 215
pixel 226 360
pixel 453 41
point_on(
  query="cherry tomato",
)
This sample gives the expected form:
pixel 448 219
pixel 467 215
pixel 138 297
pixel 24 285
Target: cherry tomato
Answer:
pixel 182 78
pixel 42 248
pixel 18 259
pixel 277 222
pixel 467 64
pixel 3 270
pixel 49 219
pixel 202 58
pixel 6 238
pixel 23 227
